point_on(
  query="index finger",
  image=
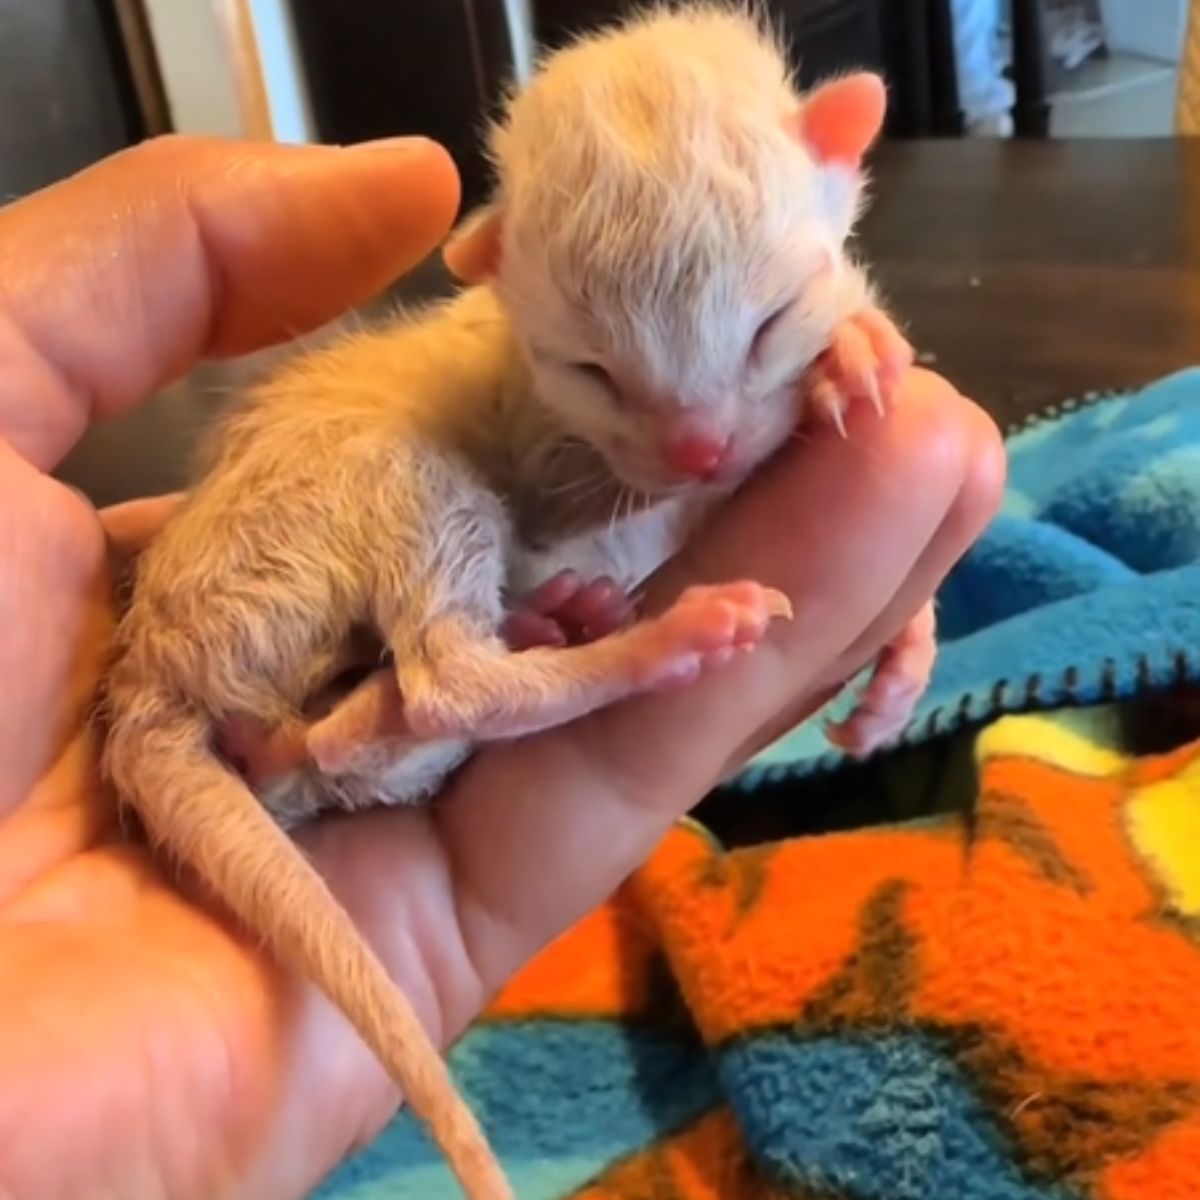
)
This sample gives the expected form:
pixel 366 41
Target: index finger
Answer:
pixel 117 280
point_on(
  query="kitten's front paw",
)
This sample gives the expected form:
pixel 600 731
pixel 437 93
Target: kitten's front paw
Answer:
pixel 866 359
pixel 566 611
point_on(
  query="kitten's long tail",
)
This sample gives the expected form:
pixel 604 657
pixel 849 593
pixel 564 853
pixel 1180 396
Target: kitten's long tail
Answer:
pixel 199 812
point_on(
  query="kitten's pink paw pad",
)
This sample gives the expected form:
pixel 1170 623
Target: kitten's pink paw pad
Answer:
pixel 899 680
pixel 866 359
pixel 705 629
pixel 567 611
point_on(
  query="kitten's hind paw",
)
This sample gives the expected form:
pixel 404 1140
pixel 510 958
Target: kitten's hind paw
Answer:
pixel 900 678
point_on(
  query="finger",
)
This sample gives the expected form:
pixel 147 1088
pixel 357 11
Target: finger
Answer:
pixel 115 281
pixel 54 592
pixel 871 518
pixel 132 525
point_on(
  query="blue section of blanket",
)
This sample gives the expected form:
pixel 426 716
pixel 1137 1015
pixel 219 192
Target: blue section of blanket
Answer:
pixel 889 1116
pixel 621 1085
pixel 1085 587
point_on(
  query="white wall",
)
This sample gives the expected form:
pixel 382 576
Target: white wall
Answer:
pixel 196 70
pixel 1149 28
pixel 283 73
pixel 520 27
pixel 199 71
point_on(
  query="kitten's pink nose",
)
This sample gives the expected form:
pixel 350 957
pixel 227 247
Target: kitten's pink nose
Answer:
pixel 699 455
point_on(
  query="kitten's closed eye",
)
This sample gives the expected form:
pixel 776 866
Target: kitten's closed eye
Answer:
pixel 767 328
pixel 802 305
pixel 588 369
pixel 596 373
pixel 592 370
pixel 599 376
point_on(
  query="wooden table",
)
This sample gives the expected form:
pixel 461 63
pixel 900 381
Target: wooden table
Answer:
pixel 1034 271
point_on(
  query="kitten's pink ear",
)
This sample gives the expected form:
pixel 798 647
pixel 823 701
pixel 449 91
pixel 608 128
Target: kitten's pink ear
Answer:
pixel 472 253
pixel 839 120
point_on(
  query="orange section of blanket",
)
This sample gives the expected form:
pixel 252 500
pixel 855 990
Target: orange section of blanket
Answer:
pixel 602 967
pixel 706 1161
pixel 1051 945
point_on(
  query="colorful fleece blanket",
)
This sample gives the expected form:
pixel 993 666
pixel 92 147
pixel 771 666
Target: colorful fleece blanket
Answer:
pixel 993 1006
pixel 995 1003
pixel 1085 588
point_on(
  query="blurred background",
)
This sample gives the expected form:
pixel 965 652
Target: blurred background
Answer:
pixel 80 79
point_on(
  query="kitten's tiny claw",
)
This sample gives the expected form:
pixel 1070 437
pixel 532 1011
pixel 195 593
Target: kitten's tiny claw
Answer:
pixel 875 394
pixel 777 604
pixel 839 419
pixel 828 401
pixel 866 359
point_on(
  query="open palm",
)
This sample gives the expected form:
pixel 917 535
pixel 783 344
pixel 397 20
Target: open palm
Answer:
pixel 148 1049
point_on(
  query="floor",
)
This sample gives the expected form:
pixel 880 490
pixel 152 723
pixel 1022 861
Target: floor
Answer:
pixel 1121 96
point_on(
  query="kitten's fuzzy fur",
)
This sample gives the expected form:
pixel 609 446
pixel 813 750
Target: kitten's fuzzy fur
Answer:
pixel 655 211
pixel 673 136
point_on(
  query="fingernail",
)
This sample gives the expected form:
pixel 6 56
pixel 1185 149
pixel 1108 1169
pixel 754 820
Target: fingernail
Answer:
pixel 409 144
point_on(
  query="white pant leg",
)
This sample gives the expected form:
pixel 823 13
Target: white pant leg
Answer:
pixel 984 92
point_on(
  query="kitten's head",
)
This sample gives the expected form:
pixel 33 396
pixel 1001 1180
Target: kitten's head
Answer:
pixel 668 239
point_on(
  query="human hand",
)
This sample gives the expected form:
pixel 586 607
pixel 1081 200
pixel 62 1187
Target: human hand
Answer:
pixel 137 1027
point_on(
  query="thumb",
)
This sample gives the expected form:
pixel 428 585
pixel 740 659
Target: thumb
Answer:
pixel 300 234
pixel 118 280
